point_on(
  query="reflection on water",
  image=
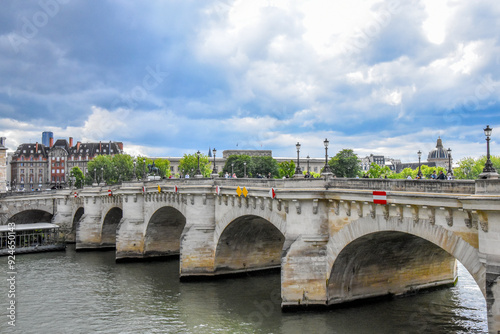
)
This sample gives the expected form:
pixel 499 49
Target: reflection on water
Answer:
pixel 87 292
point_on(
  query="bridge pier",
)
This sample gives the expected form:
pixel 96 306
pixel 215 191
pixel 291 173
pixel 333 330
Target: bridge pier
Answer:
pixel 197 248
pixel 88 234
pixel 493 295
pixel 63 217
pixel 303 273
pixel 489 252
pixel 130 239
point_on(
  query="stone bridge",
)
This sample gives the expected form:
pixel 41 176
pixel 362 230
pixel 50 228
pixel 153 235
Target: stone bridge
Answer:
pixel 331 241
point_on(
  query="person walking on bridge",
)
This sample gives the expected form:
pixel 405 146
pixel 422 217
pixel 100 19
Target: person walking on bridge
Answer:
pixel 441 176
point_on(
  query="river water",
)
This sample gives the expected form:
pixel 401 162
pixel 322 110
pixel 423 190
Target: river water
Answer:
pixel 87 292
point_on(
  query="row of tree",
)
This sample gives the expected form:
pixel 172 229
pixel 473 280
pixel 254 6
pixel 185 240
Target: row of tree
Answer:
pixel 123 167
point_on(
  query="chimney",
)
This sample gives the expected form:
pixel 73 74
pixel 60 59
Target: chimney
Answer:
pixel 78 146
pixel 100 147
pixel 36 148
pixel 51 143
pixel 70 141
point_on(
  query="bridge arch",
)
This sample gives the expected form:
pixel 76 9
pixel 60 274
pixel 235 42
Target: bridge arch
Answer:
pixel 358 252
pixel 109 227
pixel 31 216
pixel 249 243
pixel 163 232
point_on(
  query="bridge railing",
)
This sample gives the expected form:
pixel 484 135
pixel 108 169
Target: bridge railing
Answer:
pixel 427 186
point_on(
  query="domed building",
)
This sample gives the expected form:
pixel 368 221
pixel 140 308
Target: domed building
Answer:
pixel 439 155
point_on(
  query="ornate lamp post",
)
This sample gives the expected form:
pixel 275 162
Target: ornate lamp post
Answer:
pixel 489 171
pixel 450 171
pixel 488 167
pixel 245 169
pixel 419 156
pixel 326 169
pixel 214 170
pixel 298 172
pixel 232 169
pixel 102 174
pixel 308 162
pixel 198 171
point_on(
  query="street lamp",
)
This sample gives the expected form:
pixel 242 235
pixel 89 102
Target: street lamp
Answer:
pixel 419 156
pixel 488 167
pixel 307 162
pixel 244 169
pixel 450 171
pixel 214 171
pixel 102 174
pixel 326 169
pixel 232 169
pixel 198 171
pixel 297 170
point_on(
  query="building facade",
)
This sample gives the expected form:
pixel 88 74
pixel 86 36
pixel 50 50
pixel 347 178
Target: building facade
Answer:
pixel 36 166
pixel 3 165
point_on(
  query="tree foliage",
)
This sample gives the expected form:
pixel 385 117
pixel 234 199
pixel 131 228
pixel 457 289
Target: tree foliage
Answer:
pixel 265 166
pixel 236 164
pixel 470 168
pixel 255 166
pixel 77 178
pixel 376 171
pixel 286 169
pixel 188 165
pixel 345 164
pixel 123 167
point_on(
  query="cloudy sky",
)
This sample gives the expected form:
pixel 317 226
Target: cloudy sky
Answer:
pixel 169 77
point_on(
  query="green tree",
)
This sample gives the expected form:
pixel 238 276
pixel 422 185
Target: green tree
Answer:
pixel 264 166
pixel 236 164
pixel 470 168
pixel 189 165
pixel 286 169
pixel 100 169
pixel 345 164
pixel 78 176
pixel 376 171
pixel 163 166
pixel 123 169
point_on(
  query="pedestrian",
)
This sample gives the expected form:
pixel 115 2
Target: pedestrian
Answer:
pixel 441 176
pixel 434 176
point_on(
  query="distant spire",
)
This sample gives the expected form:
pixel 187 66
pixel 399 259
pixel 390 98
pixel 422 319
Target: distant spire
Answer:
pixel 209 152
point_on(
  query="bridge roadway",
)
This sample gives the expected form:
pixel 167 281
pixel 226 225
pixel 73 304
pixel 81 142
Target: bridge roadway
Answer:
pixel 332 243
